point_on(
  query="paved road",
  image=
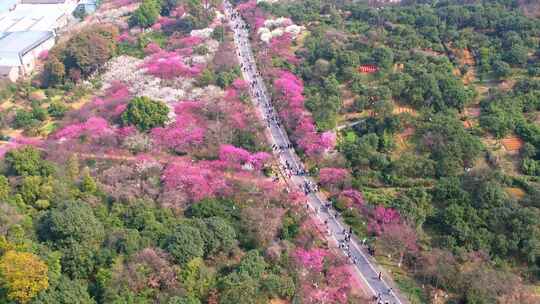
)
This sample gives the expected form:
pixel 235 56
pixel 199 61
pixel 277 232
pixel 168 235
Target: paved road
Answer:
pixel 292 165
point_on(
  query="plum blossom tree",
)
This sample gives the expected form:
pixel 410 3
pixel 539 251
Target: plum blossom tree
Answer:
pixel 233 155
pixel 352 198
pixel 280 47
pixel 290 105
pixel 334 178
pixel 237 157
pixel 94 127
pixel 312 259
pixel 152 48
pixel 381 217
pixel 398 239
pixel 168 65
pixel 188 130
pixel 197 180
pixel 251 13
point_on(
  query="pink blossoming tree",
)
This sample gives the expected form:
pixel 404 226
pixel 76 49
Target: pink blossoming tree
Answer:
pixel 168 65
pixel 312 259
pixel 334 178
pixel 196 180
pixel 290 105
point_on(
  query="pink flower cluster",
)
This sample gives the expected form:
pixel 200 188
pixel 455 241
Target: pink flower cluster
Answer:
pixel 333 177
pixel 187 131
pixel 43 55
pixel 382 217
pixel 240 84
pixel 17 142
pixel 94 127
pixel 163 22
pixel 197 180
pixel 120 3
pixel 152 48
pixel 236 157
pixel 312 259
pixel 296 118
pixel 353 197
pixel 246 6
pixel 126 37
pixel 236 111
pixel 110 106
pixel 184 45
pixel 168 65
pixel 337 289
pixel 251 13
pixel 317 286
pixel 281 47
pixel 179 12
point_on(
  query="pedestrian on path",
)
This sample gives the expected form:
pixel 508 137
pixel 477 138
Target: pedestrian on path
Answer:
pixel 380 276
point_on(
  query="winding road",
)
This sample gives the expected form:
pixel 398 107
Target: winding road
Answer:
pixel 365 267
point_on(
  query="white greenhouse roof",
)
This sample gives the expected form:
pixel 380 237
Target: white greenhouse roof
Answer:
pixel 34 17
pixel 16 44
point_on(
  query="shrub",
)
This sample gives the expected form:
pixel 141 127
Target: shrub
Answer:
pixel 81 55
pixel 145 113
pixel 185 244
pixel 146 14
pixel 27 161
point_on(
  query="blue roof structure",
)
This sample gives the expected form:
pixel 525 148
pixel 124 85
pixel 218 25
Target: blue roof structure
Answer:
pixel 14 45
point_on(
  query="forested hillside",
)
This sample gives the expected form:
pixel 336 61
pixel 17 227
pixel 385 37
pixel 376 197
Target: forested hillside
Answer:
pixel 134 168
pixel 436 108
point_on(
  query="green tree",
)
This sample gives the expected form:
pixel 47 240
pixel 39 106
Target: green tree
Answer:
pixel 65 291
pixel 415 205
pixel 219 33
pixel 517 55
pixel 88 183
pixel 4 188
pixel 71 222
pixel 501 68
pixel 34 188
pixel 145 113
pixel 90 49
pixel 27 161
pixel 197 278
pixel 278 286
pixel 183 300
pixel 146 14
pixel 383 57
pixel 24 119
pixel 239 288
pixel 55 71
pixel 206 208
pixel 57 109
pixel 252 264
pixel 222 236
pixel 185 244
pixel 78 259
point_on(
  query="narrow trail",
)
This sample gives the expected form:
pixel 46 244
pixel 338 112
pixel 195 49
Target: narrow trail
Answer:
pixel 366 269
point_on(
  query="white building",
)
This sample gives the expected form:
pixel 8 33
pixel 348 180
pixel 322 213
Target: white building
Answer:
pixel 20 50
pixel 28 30
pixel 37 17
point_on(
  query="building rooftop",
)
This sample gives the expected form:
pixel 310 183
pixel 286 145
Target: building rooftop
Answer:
pixel 6 5
pixel 34 17
pixel 42 1
pixel 15 44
